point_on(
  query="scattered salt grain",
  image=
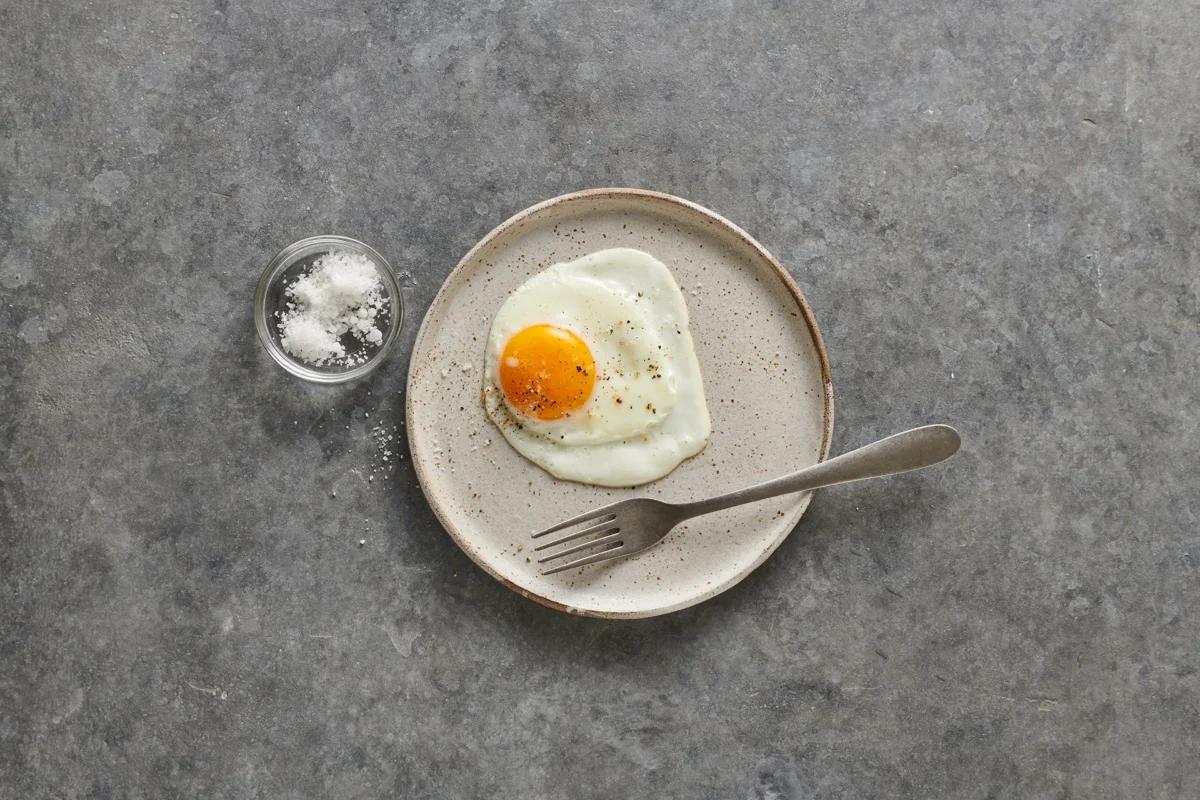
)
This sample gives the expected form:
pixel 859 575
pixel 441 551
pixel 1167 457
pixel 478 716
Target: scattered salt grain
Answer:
pixel 336 302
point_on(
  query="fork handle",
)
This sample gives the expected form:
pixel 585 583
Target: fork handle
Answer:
pixel 902 452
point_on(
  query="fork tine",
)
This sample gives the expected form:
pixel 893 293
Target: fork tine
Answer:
pixel 597 528
pixel 603 555
pixel 614 535
pixel 589 516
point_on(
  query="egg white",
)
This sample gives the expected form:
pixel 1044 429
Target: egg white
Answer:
pixel 647 412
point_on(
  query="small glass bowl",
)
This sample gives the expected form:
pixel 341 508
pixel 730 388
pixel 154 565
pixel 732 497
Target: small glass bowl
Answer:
pixel 269 298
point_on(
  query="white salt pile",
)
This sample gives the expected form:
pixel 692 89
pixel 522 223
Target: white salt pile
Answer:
pixel 340 294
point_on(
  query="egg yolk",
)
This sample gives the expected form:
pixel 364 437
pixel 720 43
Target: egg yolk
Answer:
pixel 546 372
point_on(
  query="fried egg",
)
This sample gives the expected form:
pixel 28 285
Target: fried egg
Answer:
pixel 591 372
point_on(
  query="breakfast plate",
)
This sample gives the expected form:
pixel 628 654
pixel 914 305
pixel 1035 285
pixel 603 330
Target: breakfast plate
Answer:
pixel 764 371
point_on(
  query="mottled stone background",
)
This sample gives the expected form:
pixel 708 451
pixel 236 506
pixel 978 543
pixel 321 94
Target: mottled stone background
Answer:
pixel 993 207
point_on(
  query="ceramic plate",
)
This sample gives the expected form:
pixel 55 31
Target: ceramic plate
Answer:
pixel 765 375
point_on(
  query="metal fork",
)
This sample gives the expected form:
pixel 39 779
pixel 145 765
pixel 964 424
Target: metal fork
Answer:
pixel 631 526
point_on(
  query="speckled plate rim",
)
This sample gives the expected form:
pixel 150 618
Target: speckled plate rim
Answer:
pixel 638 195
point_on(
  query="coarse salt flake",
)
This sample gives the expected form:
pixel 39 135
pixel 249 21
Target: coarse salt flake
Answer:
pixel 337 301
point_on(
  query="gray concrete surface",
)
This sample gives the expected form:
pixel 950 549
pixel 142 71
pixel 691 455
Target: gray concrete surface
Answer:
pixel 993 207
